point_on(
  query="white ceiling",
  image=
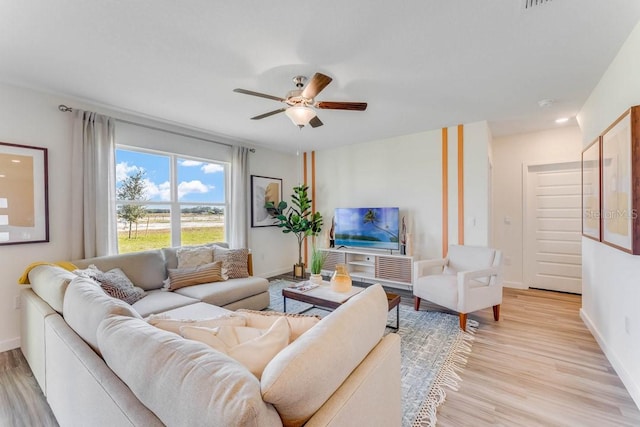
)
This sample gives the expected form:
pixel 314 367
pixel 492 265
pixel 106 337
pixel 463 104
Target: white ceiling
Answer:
pixel 420 64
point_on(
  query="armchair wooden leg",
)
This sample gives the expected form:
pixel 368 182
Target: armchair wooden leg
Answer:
pixel 496 312
pixel 463 321
pixel 416 303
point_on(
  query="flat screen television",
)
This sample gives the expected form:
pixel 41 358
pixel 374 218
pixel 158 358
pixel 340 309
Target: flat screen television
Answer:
pixel 375 228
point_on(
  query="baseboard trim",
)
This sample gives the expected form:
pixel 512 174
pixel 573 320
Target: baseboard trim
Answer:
pixel 632 387
pixel 515 285
pixel 7 345
pixel 276 272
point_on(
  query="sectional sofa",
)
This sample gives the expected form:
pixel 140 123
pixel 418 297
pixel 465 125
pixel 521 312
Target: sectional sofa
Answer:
pixel 100 362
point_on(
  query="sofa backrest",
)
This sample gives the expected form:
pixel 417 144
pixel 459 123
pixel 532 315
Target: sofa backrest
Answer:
pixel 145 269
pixel 183 382
pixel 86 305
pixel 50 282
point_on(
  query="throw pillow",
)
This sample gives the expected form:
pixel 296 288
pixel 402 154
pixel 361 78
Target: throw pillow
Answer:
pixel 194 256
pixel 207 273
pixel 115 283
pixel 252 347
pixel 174 325
pixel 298 323
pixel 234 262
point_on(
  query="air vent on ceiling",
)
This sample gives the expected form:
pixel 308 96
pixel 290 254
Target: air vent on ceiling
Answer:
pixel 528 4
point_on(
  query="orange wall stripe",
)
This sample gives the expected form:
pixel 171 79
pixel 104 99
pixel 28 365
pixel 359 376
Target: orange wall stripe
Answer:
pixel 313 185
pixel 304 174
pixel 445 191
pixel 460 184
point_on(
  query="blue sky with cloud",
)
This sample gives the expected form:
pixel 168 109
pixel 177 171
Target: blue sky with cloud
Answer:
pixel 198 181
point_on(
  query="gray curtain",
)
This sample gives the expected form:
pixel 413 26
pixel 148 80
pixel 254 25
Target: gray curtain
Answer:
pixel 238 217
pixel 93 214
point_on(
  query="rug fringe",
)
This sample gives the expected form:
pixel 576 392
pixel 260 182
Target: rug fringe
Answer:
pixel 447 376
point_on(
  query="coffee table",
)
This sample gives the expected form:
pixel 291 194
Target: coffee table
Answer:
pixel 325 298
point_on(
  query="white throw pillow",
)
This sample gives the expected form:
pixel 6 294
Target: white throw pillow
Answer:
pixel 189 257
pixel 174 325
pixel 298 323
pixel 252 347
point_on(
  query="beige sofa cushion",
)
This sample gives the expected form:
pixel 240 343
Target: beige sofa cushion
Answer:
pixel 185 383
pixel 204 273
pixel 306 373
pixel 171 254
pixel 252 347
pixel 174 325
pixel 50 283
pixel 86 305
pixel 223 293
pixel 145 269
pixel 158 301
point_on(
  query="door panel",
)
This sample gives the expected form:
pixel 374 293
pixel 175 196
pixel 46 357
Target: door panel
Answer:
pixel 553 245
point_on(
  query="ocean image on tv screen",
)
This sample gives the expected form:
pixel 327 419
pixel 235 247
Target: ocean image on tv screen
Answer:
pixel 376 228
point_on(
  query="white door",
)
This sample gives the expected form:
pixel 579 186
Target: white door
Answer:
pixel 552 234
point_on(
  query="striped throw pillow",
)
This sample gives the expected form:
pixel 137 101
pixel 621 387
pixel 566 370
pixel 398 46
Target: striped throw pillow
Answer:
pixel 207 273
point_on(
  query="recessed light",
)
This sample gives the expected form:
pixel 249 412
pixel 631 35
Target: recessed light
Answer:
pixel 2 175
pixel 562 120
pixel 15 161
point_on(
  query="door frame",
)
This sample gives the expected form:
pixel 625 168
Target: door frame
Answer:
pixel 570 163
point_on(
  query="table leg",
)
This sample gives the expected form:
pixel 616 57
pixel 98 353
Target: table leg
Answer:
pixel 284 304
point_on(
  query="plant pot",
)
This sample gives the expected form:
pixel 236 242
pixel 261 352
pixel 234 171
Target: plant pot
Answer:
pixel 316 278
pixel 298 271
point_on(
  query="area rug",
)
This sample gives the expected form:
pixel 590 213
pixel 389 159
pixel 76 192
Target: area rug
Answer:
pixel 433 349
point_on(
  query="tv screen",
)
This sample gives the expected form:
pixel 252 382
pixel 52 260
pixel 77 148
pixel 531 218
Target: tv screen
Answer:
pixel 376 228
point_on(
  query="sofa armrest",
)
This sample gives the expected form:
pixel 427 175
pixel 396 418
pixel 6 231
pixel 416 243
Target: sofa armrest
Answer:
pixel 371 395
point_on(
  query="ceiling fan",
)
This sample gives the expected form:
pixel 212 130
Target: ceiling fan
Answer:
pixel 301 101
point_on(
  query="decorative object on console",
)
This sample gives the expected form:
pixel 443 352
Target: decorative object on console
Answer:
pixel 332 230
pixel 341 281
pixel 298 219
pixel 403 238
pixel 318 258
pixel 24 210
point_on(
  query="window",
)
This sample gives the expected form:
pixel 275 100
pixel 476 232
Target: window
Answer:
pixel 168 200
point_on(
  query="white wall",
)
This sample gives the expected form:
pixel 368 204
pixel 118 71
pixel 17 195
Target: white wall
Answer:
pixel 406 172
pixel 510 155
pixel 610 278
pixel 32 118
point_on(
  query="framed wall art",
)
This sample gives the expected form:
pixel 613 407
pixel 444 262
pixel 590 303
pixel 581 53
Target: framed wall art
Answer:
pixel 24 198
pixel 591 211
pixel 620 182
pixel 263 190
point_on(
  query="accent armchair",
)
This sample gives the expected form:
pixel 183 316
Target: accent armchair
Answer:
pixel 467 280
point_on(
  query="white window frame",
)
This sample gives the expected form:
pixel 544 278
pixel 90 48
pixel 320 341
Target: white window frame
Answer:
pixel 174 204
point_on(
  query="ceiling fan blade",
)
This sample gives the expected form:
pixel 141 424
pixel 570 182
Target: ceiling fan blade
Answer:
pixel 270 113
pixel 331 105
pixel 315 122
pixel 261 95
pixel 315 85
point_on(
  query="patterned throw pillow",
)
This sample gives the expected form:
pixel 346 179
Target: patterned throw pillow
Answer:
pixel 234 262
pixel 117 284
pixel 183 277
pixel 195 256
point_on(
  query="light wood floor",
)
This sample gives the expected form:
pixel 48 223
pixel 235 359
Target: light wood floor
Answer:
pixel 537 366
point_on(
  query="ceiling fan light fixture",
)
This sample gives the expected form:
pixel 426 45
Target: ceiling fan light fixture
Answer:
pixel 300 115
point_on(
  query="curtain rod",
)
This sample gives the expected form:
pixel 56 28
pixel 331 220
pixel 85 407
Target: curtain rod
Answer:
pixel 66 109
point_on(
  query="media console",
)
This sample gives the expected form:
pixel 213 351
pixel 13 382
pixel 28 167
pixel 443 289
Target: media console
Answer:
pixel 372 267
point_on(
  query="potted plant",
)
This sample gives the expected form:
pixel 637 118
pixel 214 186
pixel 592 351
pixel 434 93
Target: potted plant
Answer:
pixel 318 258
pixel 299 219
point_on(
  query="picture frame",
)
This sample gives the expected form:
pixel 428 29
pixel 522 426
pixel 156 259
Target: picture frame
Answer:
pixel 620 163
pixel 591 197
pixel 264 189
pixel 24 195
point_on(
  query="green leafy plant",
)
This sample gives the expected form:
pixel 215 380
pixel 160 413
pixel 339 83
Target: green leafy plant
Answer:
pixel 297 218
pixel 318 258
